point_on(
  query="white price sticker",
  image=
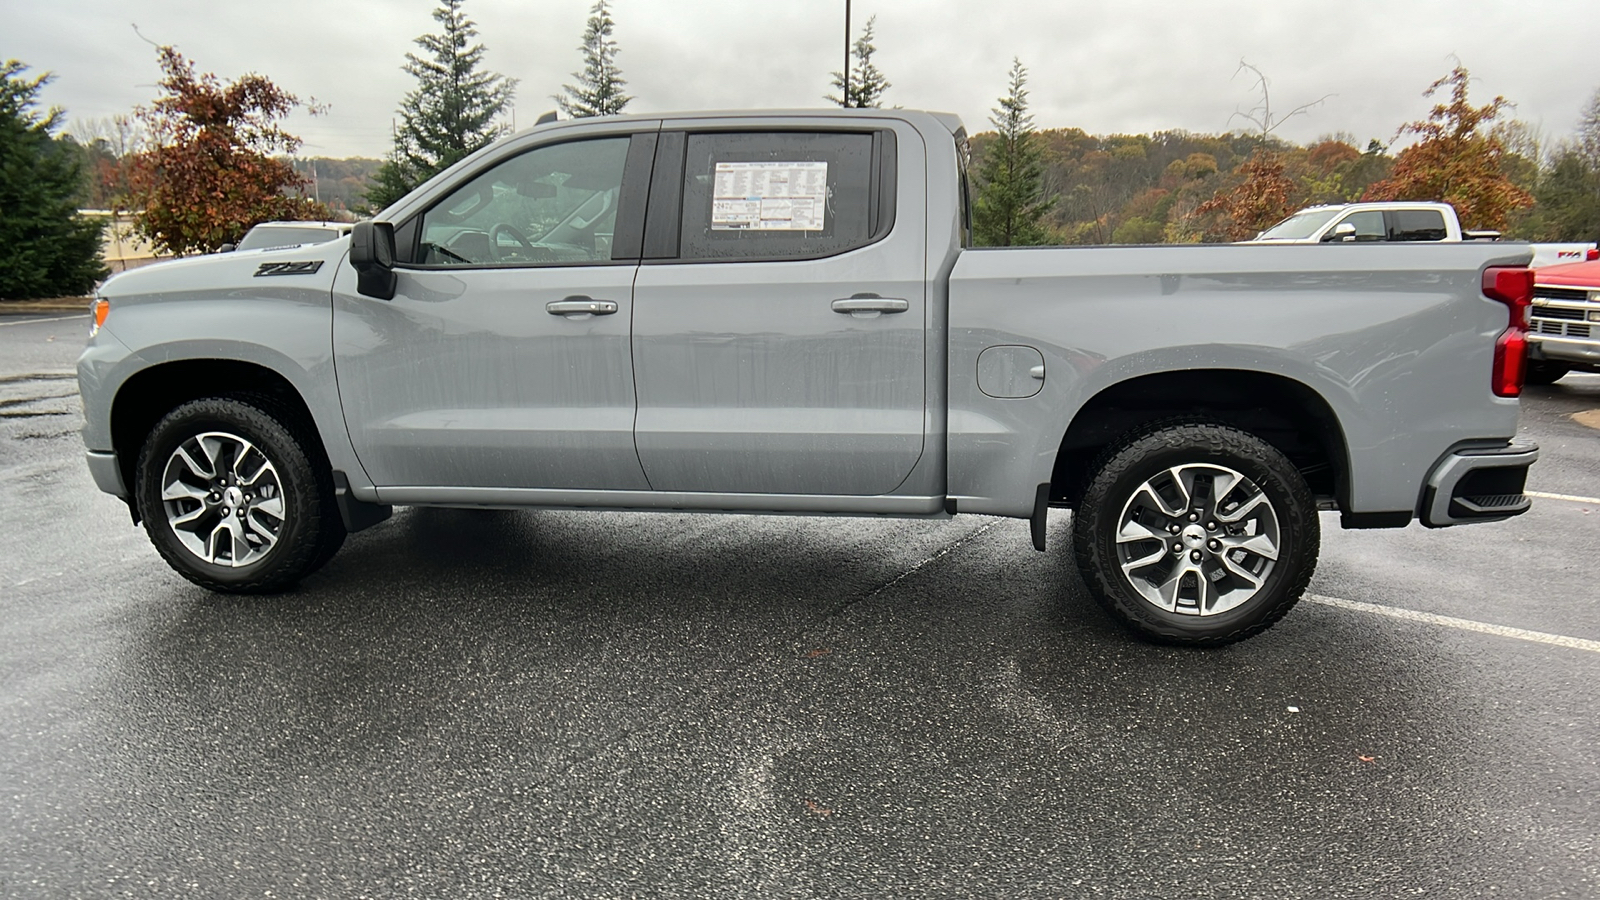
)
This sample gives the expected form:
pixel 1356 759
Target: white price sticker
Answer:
pixel 769 196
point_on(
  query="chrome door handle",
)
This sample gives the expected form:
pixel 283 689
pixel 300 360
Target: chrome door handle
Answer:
pixel 869 305
pixel 580 306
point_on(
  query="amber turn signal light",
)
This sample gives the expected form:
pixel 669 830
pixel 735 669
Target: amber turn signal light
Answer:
pixel 100 309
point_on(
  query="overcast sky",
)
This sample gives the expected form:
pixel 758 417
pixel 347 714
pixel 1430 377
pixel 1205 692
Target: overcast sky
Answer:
pixel 1130 66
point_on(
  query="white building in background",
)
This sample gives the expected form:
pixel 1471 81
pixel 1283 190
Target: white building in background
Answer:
pixel 121 248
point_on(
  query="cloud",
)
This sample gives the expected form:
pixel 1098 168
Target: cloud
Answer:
pixel 1134 66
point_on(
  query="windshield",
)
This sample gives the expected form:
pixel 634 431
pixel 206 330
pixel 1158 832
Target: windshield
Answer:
pixel 259 237
pixel 1298 226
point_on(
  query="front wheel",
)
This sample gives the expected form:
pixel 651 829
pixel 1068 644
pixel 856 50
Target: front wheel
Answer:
pixel 230 499
pixel 1196 534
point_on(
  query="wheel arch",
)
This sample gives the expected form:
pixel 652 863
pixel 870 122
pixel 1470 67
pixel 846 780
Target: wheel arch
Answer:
pixel 1288 414
pixel 149 394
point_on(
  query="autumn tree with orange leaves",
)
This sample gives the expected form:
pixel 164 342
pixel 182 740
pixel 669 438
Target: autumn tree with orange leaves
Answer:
pixel 1456 160
pixel 1262 199
pixel 214 167
pixel 1264 196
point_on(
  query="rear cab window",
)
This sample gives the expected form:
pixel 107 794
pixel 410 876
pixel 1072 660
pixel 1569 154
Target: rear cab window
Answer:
pixel 1417 225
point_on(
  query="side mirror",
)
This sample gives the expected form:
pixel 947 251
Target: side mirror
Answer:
pixel 1344 231
pixel 228 248
pixel 372 255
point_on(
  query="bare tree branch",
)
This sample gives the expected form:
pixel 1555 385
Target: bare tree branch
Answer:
pixel 1261 115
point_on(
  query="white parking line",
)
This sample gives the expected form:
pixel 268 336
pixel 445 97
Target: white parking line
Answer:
pixel 1570 498
pixel 37 321
pixel 1521 634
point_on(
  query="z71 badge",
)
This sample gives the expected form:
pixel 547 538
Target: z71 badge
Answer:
pixel 289 268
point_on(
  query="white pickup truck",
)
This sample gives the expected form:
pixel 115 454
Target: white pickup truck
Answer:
pixel 1390 221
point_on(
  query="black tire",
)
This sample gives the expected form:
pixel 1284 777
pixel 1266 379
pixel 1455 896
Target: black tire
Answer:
pixel 271 547
pixel 1545 372
pixel 1217 576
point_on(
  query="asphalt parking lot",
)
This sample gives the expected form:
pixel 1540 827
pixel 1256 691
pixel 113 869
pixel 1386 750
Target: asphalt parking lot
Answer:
pixel 532 704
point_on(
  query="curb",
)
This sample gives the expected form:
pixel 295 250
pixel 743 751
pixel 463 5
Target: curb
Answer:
pixel 54 304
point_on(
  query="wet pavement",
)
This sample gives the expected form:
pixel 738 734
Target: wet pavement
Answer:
pixel 531 704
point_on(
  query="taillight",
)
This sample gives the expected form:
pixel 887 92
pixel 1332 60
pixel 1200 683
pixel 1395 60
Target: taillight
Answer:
pixel 1513 286
pixel 1591 254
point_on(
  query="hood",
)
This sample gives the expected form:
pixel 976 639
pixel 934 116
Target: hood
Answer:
pixel 302 266
pixel 1580 274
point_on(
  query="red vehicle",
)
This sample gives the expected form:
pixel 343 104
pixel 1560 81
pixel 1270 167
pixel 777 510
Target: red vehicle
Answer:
pixel 1564 321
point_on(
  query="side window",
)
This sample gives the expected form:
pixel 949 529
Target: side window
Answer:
pixel 1369 226
pixel 1418 225
pixel 776 195
pixel 551 205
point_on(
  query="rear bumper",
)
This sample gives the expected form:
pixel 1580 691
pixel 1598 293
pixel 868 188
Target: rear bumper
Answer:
pixel 1478 485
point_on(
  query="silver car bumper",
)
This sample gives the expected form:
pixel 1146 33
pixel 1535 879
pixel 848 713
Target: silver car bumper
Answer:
pixel 1478 485
pixel 1541 347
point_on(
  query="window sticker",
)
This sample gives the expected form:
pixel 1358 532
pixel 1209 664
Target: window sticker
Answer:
pixel 769 196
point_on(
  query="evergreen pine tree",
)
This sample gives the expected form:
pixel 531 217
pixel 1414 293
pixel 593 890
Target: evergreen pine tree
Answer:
pixel 599 88
pixel 50 250
pixel 451 112
pixel 1011 203
pixel 867 84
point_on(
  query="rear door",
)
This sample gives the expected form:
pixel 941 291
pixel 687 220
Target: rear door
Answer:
pixel 779 313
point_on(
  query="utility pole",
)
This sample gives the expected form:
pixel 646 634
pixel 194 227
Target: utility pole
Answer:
pixel 846 94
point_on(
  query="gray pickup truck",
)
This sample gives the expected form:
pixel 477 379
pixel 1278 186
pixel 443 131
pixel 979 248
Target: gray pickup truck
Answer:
pixel 778 312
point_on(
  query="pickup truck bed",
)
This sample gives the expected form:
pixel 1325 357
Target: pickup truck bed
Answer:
pixel 1234 331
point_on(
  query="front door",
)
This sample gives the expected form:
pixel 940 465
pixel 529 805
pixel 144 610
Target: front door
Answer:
pixel 503 360
pixel 778 338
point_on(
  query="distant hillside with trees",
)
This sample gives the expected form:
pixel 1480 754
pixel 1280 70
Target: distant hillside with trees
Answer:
pixel 1183 187
pixel 1146 188
pixel 341 184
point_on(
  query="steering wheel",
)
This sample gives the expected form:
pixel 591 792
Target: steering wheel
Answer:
pixel 500 228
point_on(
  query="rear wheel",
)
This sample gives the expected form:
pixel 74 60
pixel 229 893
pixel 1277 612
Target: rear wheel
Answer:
pixel 231 500
pixel 1196 534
